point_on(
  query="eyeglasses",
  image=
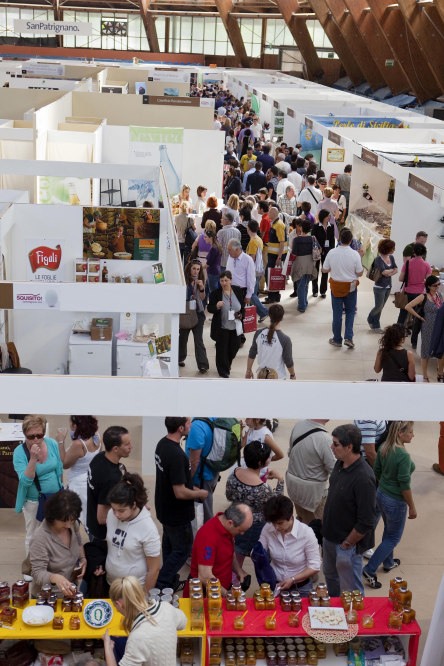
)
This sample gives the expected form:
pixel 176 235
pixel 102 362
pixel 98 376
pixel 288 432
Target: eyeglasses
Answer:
pixel 31 437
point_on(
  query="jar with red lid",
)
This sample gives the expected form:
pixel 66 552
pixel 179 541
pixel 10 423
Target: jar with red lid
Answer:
pixel 20 594
pixel 8 616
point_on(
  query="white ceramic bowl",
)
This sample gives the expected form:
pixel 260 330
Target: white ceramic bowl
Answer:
pixel 37 616
pixel 122 255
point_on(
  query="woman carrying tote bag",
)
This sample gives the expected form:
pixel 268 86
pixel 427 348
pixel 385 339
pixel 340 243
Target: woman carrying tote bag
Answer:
pixel 194 318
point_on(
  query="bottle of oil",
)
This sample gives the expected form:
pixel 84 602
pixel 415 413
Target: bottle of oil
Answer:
pixel 104 273
pixel 391 192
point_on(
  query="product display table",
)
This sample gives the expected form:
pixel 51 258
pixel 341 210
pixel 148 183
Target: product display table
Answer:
pixel 381 606
pixel 365 230
pixel 24 631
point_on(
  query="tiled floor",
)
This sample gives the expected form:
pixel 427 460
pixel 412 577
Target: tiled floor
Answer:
pixel 420 550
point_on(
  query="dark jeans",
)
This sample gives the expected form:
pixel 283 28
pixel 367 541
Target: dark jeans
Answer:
pixel 381 296
pixel 274 296
pixel 324 278
pixel 338 304
pixel 177 542
pixel 227 347
pixel 199 348
pixel 394 514
pixel 403 316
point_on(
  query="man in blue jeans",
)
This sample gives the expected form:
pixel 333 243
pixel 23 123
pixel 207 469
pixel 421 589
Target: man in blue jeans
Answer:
pixel 346 267
pixel 174 500
pixel 349 515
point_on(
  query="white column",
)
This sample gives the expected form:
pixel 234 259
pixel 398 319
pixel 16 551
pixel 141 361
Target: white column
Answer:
pixel 153 429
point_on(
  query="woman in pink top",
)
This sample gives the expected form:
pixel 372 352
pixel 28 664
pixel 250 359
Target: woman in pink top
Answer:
pixel 332 206
pixel 418 271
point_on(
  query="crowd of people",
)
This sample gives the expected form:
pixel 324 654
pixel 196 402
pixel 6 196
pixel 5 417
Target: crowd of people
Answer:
pixel 320 515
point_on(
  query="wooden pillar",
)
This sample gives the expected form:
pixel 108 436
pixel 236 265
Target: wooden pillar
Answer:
pixel 301 36
pixel 378 45
pixel 167 34
pixel 338 42
pixel 263 42
pixel 427 36
pixel 354 40
pixel 149 25
pixel 410 57
pixel 224 7
pixel 439 4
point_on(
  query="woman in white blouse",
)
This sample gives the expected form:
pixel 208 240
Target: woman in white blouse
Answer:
pixel 292 546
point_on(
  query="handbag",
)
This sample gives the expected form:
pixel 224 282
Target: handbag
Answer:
pixel 316 251
pixel 188 319
pixel 401 298
pixel 190 235
pixel 289 259
pixel 250 319
pixel 374 273
pixel 43 497
pixel 276 281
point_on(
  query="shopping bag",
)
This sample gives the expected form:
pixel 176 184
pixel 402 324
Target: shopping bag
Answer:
pixel 288 263
pixel 276 281
pixel 250 319
pixel 198 521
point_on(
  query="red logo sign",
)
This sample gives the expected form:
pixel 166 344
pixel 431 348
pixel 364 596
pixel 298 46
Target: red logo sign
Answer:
pixel 45 257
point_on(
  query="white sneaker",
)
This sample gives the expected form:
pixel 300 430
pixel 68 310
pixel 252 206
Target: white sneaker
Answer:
pixel 368 553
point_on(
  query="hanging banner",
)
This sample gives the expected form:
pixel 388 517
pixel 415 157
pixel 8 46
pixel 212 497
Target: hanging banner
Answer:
pixel 53 27
pixel 165 75
pixel 311 142
pixel 44 69
pixel 45 260
pixel 379 123
pixel 156 146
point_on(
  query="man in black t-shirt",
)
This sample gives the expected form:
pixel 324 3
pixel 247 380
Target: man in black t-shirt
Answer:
pixel 104 472
pixel 174 499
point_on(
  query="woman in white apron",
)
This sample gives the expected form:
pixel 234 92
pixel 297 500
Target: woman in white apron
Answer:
pixel 86 443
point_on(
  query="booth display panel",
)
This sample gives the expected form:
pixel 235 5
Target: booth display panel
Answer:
pixel 255 627
pixel 370 223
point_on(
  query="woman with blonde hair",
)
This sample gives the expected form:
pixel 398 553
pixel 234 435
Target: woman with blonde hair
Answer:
pixel 183 222
pixel 393 469
pixel 184 195
pixel 232 207
pixel 151 628
pixel 38 463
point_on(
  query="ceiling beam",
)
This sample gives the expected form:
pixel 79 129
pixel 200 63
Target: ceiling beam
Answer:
pixel 338 42
pixel 421 22
pixel 406 51
pixel 302 37
pixel 224 7
pixel 378 46
pixel 149 25
pixel 439 4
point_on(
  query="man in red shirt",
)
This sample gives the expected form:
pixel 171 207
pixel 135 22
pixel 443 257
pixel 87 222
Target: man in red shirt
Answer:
pixel 213 548
pixel 262 208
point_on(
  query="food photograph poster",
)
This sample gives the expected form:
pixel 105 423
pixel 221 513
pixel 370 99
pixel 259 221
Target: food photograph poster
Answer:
pixel 121 233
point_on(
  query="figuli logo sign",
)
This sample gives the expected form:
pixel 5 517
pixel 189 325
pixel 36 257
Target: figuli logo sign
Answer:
pixel 44 261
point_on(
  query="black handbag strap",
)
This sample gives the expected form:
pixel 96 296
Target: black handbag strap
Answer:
pixel 406 276
pixel 306 434
pixel 28 458
pixel 315 200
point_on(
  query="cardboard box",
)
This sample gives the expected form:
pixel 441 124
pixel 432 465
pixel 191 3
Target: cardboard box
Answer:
pixel 102 329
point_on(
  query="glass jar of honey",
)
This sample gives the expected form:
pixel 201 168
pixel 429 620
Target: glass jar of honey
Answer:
pixel 409 615
pixel 197 621
pixel 241 602
pixel 20 594
pixel 8 616
pixel 293 620
pixel 321 590
pixel 236 591
pixel 314 600
pixel 259 603
pixel 302 659
pixel 403 595
pixel 214 602
pixel 398 606
pixel 230 659
pixel 186 655
pixel 321 650
pixel 398 581
pixel 230 603
pixel 265 590
pixel 58 622
pixel 5 593
pixel 286 604
pixel 296 601
pixel 260 652
pixel 311 594
pixel 66 605
pixel 40 602
pixel 346 603
pixel 367 621
pixel 239 623
pixel 281 659
pixel 270 603
pixel 52 603
pixel 325 601
pixel 351 616
pixel 216 620
pixel 214 581
pixel 214 659
pixel 46 591
pixel 312 658
pixel 241 659
pixel 77 605
pixel 196 601
pixel 395 620
pixel 251 658
pixel 292 659
pixel 74 622
pixel 272 659
pixel 270 623
pixel 213 589
pixel 358 603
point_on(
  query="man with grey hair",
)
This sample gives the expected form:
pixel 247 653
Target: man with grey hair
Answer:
pixel 251 169
pixel 282 164
pixel 227 233
pixel 287 202
pixel 243 271
pixel 283 182
pixel 213 549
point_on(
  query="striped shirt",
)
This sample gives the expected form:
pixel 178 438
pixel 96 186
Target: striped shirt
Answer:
pixel 370 431
pixel 288 205
pixel 224 236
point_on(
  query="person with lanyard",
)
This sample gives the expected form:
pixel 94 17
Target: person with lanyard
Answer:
pixel 194 280
pixel 324 233
pixel 226 305
pixel 277 250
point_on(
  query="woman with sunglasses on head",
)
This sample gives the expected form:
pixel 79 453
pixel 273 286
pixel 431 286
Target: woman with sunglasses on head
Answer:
pixel 40 458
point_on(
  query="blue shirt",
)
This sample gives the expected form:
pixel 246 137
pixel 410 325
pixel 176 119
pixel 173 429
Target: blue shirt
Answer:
pixel 49 474
pixel 200 437
pixel 267 161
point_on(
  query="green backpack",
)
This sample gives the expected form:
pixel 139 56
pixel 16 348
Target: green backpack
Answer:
pixel 225 449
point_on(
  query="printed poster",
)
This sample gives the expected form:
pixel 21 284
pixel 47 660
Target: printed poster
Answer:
pixel 121 233
pixel 156 146
pixel 311 143
pixel 158 274
pixel 69 190
pixel 44 262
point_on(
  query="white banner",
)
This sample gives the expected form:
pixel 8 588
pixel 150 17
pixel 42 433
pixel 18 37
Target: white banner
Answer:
pixel 28 296
pixel 43 69
pixel 52 27
pixel 207 101
pixel 45 260
pixel 168 75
